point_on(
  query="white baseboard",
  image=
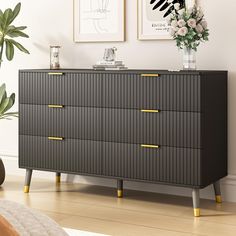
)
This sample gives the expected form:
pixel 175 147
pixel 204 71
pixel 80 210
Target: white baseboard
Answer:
pixel 228 184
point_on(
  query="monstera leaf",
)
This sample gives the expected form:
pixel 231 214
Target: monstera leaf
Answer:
pixel 6 104
pixel 166 5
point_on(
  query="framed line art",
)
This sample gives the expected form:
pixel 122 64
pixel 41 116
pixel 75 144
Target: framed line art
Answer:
pixel 151 23
pixel 99 20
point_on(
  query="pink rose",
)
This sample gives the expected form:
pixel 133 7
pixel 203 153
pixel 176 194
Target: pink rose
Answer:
pixel 199 28
pixel 182 31
pixel 181 23
pixel 192 23
pixel 204 24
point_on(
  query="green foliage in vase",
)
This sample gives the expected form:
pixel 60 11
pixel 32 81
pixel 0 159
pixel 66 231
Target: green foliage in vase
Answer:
pixel 189 28
pixel 8 33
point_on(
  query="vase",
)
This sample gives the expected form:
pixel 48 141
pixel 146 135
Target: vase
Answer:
pixel 2 172
pixel 189 59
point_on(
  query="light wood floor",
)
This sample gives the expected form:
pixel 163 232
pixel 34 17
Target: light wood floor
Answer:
pixel 96 209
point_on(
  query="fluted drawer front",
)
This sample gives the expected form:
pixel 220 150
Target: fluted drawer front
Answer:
pixel 175 92
pixel 75 89
pixel 181 129
pixel 69 155
pixel 70 122
pixel 164 164
pixel 166 92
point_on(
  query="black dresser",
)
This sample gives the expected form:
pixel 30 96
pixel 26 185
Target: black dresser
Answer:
pixel 152 126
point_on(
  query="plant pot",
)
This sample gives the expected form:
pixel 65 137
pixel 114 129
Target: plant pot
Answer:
pixel 189 59
pixel 2 172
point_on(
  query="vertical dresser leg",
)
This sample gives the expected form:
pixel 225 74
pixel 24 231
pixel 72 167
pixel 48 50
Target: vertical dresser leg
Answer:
pixel 58 178
pixel 217 191
pixel 27 180
pixel 196 202
pixel 119 188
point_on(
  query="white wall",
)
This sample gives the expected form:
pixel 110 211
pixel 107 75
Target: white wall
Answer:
pixel 51 22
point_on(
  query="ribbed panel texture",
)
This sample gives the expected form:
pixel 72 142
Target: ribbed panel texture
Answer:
pixel 68 122
pixel 75 89
pixel 103 125
pixel 179 129
pixel 69 155
pixel 167 92
pixel 166 164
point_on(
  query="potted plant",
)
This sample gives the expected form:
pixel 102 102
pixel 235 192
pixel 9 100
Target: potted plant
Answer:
pixel 188 27
pixel 7 32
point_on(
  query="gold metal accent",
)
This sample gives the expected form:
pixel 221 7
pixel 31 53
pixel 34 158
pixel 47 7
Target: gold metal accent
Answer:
pixel 150 75
pixel 218 199
pixel 150 111
pixel 26 189
pixel 119 193
pixel 56 138
pixel 149 146
pixel 58 179
pixel 55 73
pixel 196 212
pixel 55 106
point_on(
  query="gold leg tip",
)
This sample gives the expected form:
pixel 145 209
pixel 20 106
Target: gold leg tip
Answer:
pixel 26 189
pixel 119 193
pixel 218 199
pixel 58 179
pixel 196 212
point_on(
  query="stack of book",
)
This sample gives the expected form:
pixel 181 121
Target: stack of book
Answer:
pixel 109 65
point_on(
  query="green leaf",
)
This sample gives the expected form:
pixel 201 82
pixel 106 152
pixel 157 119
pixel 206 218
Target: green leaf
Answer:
pixel 2 92
pixel 15 13
pixel 20 34
pixel 9 50
pixel 7 104
pixel 19 46
pixel 7 15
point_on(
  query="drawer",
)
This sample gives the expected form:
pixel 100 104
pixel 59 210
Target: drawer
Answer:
pixel 168 128
pixel 180 129
pixel 164 164
pixel 69 122
pixel 174 92
pixel 75 89
pixel 69 155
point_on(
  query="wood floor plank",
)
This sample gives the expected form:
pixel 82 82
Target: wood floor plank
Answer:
pixel 97 209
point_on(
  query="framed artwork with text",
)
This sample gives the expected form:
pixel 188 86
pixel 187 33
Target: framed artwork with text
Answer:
pixel 152 25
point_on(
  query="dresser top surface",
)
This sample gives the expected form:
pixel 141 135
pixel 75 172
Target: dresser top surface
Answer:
pixel 134 71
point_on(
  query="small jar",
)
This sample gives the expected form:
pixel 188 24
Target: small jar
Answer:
pixel 54 57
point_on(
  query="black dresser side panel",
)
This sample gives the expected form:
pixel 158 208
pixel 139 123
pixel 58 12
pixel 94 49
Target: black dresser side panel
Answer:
pixel 214 126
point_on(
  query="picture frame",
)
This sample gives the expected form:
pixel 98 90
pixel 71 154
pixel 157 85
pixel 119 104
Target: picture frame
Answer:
pixel 99 20
pixel 151 23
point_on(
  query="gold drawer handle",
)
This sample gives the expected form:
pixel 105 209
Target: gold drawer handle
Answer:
pixel 55 73
pixel 56 138
pixel 150 111
pixel 150 75
pixel 149 146
pixel 55 106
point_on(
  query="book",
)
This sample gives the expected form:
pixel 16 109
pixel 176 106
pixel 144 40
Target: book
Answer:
pixel 109 63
